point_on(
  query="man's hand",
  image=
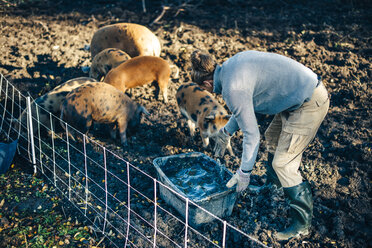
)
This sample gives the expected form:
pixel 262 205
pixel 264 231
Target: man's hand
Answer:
pixel 222 140
pixel 240 178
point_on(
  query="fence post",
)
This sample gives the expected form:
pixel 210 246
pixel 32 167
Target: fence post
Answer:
pixel 186 221
pixel 11 114
pixel 54 154
pixel 224 235
pixel 31 132
pixel 19 119
pixel 106 193
pixel 20 115
pixel 6 97
pixel 69 163
pixel 1 83
pixel 86 176
pixel 155 212
pixel 128 220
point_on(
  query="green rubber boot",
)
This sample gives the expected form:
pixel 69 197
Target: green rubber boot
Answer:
pixel 272 178
pixel 301 211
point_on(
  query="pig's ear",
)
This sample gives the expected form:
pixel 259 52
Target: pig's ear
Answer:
pixel 210 117
pixel 142 109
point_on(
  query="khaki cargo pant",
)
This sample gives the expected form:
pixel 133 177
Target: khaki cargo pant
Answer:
pixel 290 132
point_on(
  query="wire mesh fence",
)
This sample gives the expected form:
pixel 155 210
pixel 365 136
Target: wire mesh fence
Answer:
pixel 120 200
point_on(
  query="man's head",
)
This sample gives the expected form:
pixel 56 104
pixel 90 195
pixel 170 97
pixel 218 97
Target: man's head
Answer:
pixel 203 66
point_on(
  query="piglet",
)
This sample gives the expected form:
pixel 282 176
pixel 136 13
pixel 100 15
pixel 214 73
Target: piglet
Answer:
pixel 105 60
pixel 101 103
pixel 139 71
pixel 50 103
pixel 202 109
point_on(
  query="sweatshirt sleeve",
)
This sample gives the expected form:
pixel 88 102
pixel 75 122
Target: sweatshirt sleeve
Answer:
pixel 232 126
pixel 241 106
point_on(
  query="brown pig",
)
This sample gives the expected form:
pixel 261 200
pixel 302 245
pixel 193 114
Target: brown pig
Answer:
pixel 134 39
pixel 101 103
pixel 139 71
pixel 105 60
pixel 202 109
pixel 50 103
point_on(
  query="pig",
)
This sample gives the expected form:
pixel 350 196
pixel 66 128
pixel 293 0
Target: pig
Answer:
pixel 139 71
pixel 202 110
pixel 50 102
pixel 100 103
pixel 105 60
pixel 134 39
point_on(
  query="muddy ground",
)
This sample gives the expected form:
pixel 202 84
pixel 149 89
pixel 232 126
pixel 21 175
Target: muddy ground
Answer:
pixel 42 45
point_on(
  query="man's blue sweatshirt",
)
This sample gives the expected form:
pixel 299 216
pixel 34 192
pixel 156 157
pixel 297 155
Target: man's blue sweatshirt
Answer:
pixel 259 82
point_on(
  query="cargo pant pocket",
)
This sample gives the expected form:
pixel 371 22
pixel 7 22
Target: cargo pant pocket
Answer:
pixel 320 95
pixel 320 102
pixel 296 138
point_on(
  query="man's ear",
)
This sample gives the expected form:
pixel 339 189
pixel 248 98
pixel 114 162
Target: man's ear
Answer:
pixel 208 83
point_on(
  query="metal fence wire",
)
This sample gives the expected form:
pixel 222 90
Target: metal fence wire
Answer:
pixel 120 200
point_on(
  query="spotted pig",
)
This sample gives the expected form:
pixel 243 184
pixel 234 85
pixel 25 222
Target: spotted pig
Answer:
pixel 101 103
pixel 203 111
pixel 50 102
pixel 134 39
pixel 105 60
pixel 139 71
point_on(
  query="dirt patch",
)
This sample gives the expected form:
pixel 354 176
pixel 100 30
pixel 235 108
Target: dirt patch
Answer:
pixel 43 45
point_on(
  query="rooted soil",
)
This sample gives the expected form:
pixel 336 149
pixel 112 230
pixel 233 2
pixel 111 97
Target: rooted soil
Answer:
pixel 42 45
